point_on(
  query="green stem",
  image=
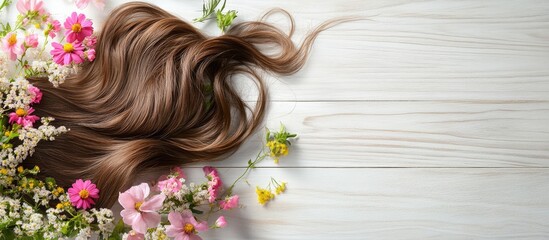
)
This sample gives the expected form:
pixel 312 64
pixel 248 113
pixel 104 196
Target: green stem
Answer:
pixel 251 165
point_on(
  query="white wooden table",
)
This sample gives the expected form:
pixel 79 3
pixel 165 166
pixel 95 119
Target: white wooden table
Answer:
pixel 428 121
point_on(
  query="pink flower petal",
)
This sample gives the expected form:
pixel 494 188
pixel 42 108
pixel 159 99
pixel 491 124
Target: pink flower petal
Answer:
pixel 151 219
pixel 153 204
pixel 127 200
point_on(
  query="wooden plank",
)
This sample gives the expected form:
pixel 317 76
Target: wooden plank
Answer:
pixel 409 134
pixel 408 50
pixel 392 204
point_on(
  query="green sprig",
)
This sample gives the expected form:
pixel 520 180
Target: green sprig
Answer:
pixel 223 19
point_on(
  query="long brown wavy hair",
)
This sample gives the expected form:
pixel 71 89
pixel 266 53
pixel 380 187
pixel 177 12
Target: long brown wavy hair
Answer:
pixel 159 94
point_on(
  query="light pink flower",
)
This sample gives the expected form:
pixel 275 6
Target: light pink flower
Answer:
pixel 78 27
pixel 220 222
pixel 141 214
pixel 24 6
pixel 31 41
pixel 83 193
pixel 81 4
pixel 170 185
pixel 179 172
pixel 214 182
pixel 91 54
pixel 229 202
pixel 10 46
pixel 53 28
pixel 90 41
pixel 133 235
pixel 184 226
pixel 68 53
pixel 23 117
pixel 35 93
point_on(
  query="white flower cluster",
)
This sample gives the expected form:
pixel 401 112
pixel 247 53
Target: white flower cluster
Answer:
pixel 11 157
pixel 16 94
pixel 56 73
pixel 178 201
pixel 104 219
pixel 3 65
pixel 159 233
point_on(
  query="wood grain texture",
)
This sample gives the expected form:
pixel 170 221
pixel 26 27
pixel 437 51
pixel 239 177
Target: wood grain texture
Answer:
pixel 426 121
pixel 406 50
pixel 409 134
pixel 393 204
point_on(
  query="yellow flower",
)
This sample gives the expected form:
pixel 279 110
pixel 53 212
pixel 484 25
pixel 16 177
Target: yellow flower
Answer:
pixel 281 188
pixel 4 171
pixel 20 169
pixel 59 206
pixel 263 195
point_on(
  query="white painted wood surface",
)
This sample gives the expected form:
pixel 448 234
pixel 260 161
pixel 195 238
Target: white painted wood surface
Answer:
pixel 428 121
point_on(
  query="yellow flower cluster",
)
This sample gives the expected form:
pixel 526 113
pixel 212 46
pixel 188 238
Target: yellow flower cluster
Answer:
pixel 263 195
pixel 281 188
pixel 58 191
pixel 278 142
pixel 62 205
pixel 277 149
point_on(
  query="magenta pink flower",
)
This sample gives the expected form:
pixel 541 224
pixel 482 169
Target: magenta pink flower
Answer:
pixel 81 4
pixel 24 6
pixel 214 182
pixel 83 193
pixel 184 226
pixel 23 117
pixel 78 27
pixel 229 202
pixel 10 46
pixel 220 222
pixel 35 93
pixel 68 53
pixel 31 41
pixel 170 185
pixel 141 214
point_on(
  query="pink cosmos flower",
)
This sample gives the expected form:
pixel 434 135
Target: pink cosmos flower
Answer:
pixel 35 93
pixel 214 182
pixel 24 6
pixel 170 185
pixel 220 222
pixel 229 202
pixel 81 4
pixel 184 226
pixel 31 41
pixel 83 193
pixel 23 117
pixel 78 27
pixel 141 214
pixel 91 54
pixel 10 46
pixel 68 53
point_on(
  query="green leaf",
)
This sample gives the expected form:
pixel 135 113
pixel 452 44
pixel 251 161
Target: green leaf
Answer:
pixel 224 20
pixel 117 231
pixel 208 8
pixel 196 211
